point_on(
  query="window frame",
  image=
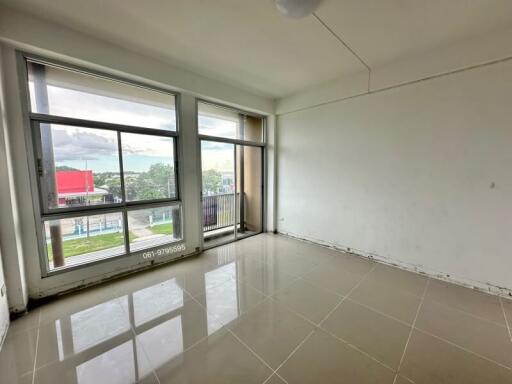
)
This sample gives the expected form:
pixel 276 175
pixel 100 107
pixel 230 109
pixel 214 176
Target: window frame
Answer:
pixel 43 213
pixel 236 142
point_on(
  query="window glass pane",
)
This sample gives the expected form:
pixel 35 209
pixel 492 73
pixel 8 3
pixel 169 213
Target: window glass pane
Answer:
pixel 218 181
pixel 83 239
pixel 61 92
pixel 151 227
pixel 148 165
pixel 222 122
pixel 80 166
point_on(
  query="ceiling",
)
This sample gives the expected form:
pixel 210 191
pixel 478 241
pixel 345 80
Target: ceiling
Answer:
pixel 246 43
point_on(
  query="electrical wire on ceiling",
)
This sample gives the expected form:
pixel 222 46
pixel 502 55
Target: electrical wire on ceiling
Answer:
pixel 297 9
pixel 348 47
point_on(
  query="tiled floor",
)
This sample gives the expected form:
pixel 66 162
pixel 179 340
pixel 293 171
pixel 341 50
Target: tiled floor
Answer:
pixel 271 310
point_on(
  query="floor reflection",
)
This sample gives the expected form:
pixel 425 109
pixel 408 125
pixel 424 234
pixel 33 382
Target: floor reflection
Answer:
pixel 157 300
pixel 125 339
pixel 164 341
pixel 94 325
pixel 221 299
pixel 118 364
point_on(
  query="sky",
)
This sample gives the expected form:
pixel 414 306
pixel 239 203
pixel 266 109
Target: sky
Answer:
pixel 96 149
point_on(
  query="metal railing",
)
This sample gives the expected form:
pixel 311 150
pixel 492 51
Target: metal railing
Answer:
pixel 219 211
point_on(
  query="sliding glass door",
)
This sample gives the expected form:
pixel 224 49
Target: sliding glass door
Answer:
pixel 232 150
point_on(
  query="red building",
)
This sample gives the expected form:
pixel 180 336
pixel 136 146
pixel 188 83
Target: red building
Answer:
pixel 77 188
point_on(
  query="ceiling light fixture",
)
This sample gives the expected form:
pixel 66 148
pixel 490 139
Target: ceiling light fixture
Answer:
pixel 296 9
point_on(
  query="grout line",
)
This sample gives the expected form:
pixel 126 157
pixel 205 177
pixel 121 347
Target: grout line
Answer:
pixel 348 294
pixel 427 332
pixel 407 379
pixel 293 352
pixel 434 301
pixel 266 297
pixel 379 312
pixel 146 356
pixel 11 332
pixel 353 346
pixel 506 319
pixel 250 349
pixel 464 349
pixel 311 322
pixel 318 326
pixel 142 350
pixel 134 332
pixel 37 347
pixel 268 378
pixel 412 328
pixel 470 314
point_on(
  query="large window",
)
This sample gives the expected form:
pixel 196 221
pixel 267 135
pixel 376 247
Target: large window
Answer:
pixel 106 165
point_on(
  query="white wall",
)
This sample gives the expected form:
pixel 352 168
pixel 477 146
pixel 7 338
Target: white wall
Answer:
pixel 420 175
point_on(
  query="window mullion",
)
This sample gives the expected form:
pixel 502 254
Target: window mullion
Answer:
pixel 91 212
pixel 123 193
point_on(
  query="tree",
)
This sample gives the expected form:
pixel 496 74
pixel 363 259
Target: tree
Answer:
pixel 212 182
pixel 65 168
pixel 113 185
pixel 157 183
pixel 100 179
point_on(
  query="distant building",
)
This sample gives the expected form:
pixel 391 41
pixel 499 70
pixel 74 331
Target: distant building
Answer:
pixel 227 183
pixel 77 188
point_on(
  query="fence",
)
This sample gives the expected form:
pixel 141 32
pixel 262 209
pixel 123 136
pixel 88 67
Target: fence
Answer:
pixel 219 211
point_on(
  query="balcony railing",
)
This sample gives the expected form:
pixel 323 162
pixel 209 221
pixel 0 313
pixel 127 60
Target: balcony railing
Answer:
pixel 219 211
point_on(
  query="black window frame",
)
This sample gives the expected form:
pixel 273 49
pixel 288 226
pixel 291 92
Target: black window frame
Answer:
pixel 44 213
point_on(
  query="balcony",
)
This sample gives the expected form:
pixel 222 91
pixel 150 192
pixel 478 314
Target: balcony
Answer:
pixel 219 218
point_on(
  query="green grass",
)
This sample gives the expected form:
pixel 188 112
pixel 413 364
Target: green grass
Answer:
pixel 99 242
pixel 89 244
pixel 162 229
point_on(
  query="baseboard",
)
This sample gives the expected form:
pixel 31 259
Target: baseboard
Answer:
pixel 439 275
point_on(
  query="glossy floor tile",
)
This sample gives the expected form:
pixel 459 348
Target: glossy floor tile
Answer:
pixel 267 309
pixel 272 331
pixel 431 360
pixel 388 300
pixel 327 277
pixel 221 358
pixel 308 300
pixel 378 335
pixel 323 359
pixel 479 336
pixel 476 303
